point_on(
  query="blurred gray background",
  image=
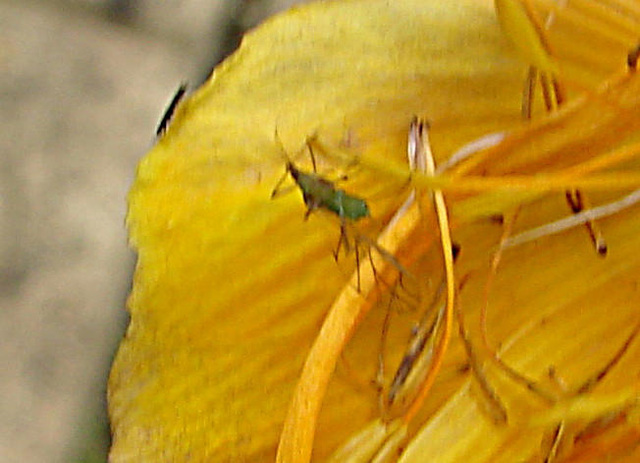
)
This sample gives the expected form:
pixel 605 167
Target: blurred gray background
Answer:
pixel 83 84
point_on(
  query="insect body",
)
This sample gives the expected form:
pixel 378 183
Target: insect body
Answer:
pixel 320 193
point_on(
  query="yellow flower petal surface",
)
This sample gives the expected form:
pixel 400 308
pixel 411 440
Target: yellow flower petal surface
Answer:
pixel 232 286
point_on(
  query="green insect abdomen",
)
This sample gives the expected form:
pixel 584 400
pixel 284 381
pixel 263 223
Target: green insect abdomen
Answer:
pixel 321 193
pixel 351 207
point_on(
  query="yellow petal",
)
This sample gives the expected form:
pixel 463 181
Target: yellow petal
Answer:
pixel 231 286
pixel 520 24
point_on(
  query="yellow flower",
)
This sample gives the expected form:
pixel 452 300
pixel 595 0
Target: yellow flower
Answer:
pixel 253 335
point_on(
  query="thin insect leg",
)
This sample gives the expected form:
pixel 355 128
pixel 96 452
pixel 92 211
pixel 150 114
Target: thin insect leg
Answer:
pixel 313 157
pixel 343 156
pixel 283 150
pixel 296 439
pixel 405 296
pixel 357 240
pixel 337 249
pixel 410 297
pixel 276 137
pixel 391 289
pixel 342 241
pixel 277 190
pixel 289 170
pixel 393 296
pixel 379 381
pixel 357 252
pixel 376 276
pixel 496 408
pixel 314 145
pixel 577 203
pixel 385 254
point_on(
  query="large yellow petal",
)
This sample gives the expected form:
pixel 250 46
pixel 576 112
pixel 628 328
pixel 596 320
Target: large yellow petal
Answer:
pixel 231 287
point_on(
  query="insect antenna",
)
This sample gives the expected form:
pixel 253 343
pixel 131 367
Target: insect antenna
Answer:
pixel 277 190
pixel 312 155
pixel 287 171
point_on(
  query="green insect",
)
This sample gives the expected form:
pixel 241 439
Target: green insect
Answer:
pixel 320 193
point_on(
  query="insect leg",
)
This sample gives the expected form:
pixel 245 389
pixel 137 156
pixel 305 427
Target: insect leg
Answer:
pixel 277 190
pixel 312 155
pixel 357 251
pixel 343 240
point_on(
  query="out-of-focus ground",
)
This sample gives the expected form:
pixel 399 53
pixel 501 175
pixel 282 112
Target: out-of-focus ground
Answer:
pixel 82 86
